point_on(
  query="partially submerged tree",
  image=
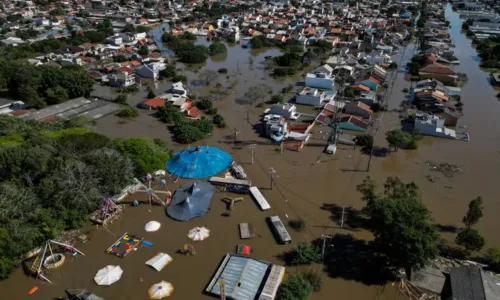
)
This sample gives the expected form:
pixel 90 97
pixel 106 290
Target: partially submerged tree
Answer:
pixel 404 231
pixel 401 224
pixel 367 189
pixel 296 287
pixel 474 213
pixel 470 239
pixel 257 92
pixel 399 139
pixel 305 253
pixel 208 76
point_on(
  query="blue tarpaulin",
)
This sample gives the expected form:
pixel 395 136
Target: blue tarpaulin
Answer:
pixel 198 162
pixel 191 200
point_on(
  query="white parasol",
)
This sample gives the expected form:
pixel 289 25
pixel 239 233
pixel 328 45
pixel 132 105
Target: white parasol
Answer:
pixel 152 226
pixel 108 275
pixel 160 290
pixel 198 233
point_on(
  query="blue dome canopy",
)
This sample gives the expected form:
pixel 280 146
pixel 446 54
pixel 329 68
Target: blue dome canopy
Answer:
pixel 198 162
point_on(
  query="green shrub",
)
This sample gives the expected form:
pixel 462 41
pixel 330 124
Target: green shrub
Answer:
pixel 128 112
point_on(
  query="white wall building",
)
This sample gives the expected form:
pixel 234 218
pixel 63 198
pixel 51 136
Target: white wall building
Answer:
pixel 434 126
pixel 311 96
pixel 287 110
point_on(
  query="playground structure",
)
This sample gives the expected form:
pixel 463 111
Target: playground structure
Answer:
pixel 188 249
pixel 124 245
pixel 152 193
pixel 52 261
pixel 108 212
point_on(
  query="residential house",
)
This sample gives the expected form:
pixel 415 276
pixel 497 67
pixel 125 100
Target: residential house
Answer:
pixel 321 78
pixel 370 82
pixel 148 71
pixel 343 71
pixel 153 103
pixel 121 79
pixel 286 110
pixel 352 123
pixel 433 125
pixel 312 96
pixel 12 41
pixel 439 72
pixel 116 40
pixel 358 108
pixel 369 98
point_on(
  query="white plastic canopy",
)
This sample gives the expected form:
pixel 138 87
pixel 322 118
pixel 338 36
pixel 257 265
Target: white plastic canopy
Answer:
pixel 198 233
pixel 160 290
pixel 152 226
pixel 159 261
pixel 108 275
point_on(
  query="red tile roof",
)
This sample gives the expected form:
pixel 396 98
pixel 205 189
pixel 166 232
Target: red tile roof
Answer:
pixel 154 103
pixel 438 69
pixel 193 113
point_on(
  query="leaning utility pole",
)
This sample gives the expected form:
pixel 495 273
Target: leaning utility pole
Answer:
pixel 252 147
pixel 272 171
pixel 324 237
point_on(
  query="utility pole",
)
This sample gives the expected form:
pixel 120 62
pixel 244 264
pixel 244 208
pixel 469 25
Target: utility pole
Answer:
pixel 324 237
pixel 272 171
pixel 251 147
pixel 236 132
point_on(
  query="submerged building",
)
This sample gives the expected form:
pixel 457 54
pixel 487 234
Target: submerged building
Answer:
pixel 245 278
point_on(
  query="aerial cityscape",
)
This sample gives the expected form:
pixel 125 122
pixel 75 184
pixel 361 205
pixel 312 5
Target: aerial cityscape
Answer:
pixel 288 150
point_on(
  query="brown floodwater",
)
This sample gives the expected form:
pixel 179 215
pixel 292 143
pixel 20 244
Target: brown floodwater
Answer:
pixel 305 182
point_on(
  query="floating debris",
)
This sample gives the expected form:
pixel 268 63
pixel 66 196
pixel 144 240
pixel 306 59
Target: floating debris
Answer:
pixel 448 170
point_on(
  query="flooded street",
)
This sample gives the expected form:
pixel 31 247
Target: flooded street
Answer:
pixel 308 184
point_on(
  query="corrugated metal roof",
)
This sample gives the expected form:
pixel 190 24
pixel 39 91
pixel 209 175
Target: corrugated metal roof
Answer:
pixel 242 276
pixel 466 284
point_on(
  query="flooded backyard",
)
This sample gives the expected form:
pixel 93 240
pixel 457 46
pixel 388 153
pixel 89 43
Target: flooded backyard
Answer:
pixel 308 184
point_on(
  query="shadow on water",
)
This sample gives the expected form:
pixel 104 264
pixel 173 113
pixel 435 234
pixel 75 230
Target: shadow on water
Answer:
pixel 358 260
pixel 447 228
pixel 353 218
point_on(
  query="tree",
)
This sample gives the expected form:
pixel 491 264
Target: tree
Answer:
pixel 474 213
pixel 257 92
pixel 204 104
pixel 144 50
pixel 145 154
pixel 403 227
pixel 129 27
pixel 218 120
pixel 121 99
pixel 208 76
pixel 365 141
pixel 470 239
pixel 493 258
pixel 128 112
pixel 398 139
pixel 217 48
pixel 305 253
pixel 277 98
pixel 56 95
pixel 296 287
pixel 367 189
pixel 169 71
